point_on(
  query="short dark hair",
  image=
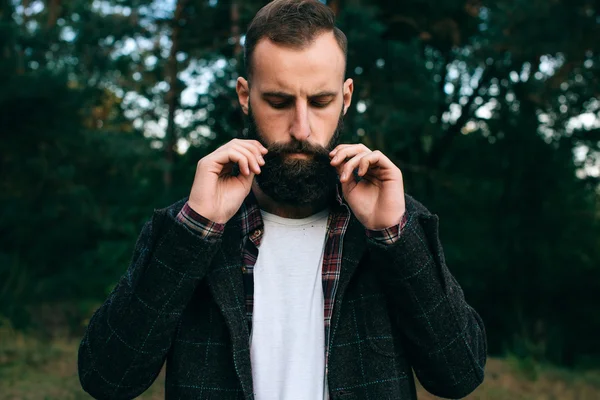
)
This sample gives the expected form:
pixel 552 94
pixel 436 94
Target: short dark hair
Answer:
pixel 293 23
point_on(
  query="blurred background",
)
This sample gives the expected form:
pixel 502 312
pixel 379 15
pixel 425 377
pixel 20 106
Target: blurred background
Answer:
pixel 490 108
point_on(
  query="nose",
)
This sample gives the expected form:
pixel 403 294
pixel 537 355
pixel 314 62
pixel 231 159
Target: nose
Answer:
pixel 300 129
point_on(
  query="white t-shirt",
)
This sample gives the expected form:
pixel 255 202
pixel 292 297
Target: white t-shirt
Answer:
pixel 287 340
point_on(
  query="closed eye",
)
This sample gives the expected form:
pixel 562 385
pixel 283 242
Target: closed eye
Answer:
pixel 279 104
pixel 320 104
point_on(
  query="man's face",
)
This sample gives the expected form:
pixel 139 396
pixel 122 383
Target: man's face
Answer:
pixel 296 173
pixel 295 97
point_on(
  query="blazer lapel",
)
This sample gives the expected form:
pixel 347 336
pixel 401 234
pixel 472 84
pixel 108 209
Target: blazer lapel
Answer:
pixel 353 248
pixel 226 286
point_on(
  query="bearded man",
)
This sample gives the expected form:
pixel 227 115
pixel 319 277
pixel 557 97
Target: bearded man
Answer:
pixel 297 268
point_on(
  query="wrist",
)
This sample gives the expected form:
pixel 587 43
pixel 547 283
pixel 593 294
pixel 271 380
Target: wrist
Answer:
pixel 385 224
pixel 204 213
pixel 388 235
pixel 205 227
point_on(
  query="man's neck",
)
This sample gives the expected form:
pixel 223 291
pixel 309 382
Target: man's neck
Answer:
pixel 283 210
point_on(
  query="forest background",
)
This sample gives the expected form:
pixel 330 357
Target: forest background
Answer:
pixel 490 108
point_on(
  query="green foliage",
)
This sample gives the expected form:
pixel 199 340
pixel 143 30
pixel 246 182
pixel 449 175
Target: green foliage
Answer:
pixel 68 231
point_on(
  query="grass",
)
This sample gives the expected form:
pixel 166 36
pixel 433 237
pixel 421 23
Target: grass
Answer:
pixel 34 369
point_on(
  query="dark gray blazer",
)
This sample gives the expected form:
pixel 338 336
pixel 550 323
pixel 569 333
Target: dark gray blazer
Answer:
pixel 182 300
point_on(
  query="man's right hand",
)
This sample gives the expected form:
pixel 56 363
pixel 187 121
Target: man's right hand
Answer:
pixel 217 194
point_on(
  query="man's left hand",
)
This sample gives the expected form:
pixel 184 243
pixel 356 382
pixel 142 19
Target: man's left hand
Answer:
pixel 377 198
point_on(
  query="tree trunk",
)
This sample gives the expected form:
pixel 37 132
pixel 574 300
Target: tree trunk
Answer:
pixel 335 6
pixel 172 96
pixel 235 29
pixel 53 13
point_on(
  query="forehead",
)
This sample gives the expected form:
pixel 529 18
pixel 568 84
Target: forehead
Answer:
pixel 316 67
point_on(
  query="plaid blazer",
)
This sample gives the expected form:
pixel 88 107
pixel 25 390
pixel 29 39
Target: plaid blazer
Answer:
pixel 182 301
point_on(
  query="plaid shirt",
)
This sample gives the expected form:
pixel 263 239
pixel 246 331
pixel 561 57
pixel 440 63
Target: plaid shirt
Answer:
pixel 252 233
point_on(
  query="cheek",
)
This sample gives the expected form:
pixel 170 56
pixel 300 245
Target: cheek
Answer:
pixel 325 122
pixel 271 123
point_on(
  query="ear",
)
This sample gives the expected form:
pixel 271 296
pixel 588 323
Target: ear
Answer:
pixel 348 90
pixel 243 92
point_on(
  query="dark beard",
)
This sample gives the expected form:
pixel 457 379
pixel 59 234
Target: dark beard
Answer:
pixel 292 181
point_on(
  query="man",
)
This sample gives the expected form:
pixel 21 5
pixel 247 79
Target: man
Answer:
pixel 276 279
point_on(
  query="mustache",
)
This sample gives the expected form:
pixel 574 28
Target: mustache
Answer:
pixel 296 146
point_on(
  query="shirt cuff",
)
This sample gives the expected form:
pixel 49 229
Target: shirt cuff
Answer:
pixel 202 226
pixel 388 235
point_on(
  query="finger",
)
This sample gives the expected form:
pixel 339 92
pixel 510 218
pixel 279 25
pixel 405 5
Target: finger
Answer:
pixel 346 146
pixel 375 160
pixel 348 151
pixel 252 143
pixel 336 149
pixel 230 155
pixel 253 160
pixel 339 147
pixel 366 162
pixel 256 157
pixel 241 160
pixel 350 165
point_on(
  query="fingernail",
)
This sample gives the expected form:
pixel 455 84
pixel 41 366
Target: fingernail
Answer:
pixel 343 177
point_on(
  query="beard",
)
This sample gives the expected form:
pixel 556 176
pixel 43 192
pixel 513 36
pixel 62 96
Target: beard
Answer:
pixel 293 181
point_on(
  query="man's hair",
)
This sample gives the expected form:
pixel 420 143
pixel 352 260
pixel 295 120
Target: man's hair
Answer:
pixel 292 23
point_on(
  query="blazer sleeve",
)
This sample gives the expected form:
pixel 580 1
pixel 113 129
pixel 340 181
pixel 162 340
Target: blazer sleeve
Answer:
pixel 129 336
pixel 445 337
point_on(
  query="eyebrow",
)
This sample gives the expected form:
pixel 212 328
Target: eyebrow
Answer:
pixel 288 96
